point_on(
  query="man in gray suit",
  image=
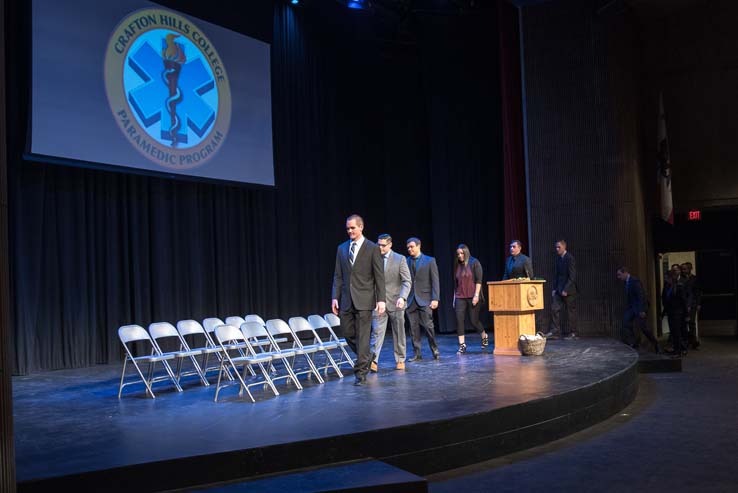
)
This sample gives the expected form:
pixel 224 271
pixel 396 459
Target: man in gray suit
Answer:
pixel 397 283
pixel 358 288
pixel 423 298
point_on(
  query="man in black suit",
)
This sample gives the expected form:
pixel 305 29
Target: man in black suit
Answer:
pixel 423 298
pixel 674 302
pixel 358 288
pixel 694 300
pixel 564 292
pixel 635 311
pixel 517 265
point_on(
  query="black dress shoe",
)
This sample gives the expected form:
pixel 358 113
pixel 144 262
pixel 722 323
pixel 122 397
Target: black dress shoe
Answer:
pixel 415 358
pixel 360 381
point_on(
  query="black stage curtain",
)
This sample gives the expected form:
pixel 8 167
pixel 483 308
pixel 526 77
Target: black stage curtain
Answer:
pixel 406 133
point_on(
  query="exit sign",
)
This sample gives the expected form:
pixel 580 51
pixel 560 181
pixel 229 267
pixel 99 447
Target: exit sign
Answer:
pixel 694 215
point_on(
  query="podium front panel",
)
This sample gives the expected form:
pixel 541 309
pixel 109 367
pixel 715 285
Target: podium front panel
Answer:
pixel 517 296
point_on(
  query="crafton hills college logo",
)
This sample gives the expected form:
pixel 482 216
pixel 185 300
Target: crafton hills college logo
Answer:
pixel 167 88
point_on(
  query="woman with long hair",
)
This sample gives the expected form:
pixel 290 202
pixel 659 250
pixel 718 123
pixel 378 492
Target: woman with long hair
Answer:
pixel 467 294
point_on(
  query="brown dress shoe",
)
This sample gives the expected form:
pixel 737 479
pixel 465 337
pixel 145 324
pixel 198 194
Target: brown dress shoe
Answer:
pixel 400 365
pixel 374 368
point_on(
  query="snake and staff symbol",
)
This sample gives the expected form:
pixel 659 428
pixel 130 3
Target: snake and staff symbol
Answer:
pixel 173 55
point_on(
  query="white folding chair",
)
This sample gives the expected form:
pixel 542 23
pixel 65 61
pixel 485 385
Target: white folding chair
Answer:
pixel 333 320
pixel 257 334
pixel 255 318
pixel 319 322
pixel 335 324
pixel 237 321
pixel 231 339
pixel 234 320
pixel 209 324
pixel 200 340
pixel 131 334
pixel 302 330
pixel 165 333
pixel 278 327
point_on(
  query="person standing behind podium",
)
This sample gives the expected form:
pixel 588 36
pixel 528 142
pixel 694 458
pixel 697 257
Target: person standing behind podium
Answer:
pixel 423 298
pixel 358 288
pixel 517 264
pixel 468 276
pixel 564 292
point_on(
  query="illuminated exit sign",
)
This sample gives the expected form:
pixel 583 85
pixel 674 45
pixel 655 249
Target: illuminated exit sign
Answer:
pixel 694 215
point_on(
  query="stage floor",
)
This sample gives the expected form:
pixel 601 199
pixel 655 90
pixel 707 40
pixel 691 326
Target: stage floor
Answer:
pixel 70 422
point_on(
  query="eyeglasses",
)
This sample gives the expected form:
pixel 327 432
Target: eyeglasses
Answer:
pixel 383 245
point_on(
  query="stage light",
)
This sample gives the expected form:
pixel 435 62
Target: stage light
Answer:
pixel 358 4
pixel 294 2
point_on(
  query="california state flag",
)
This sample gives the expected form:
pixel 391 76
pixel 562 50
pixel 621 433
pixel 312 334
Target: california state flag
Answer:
pixel 664 166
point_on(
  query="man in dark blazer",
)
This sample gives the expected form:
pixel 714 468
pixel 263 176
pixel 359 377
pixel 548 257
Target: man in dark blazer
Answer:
pixel 423 298
pixel 564 292
pixel 517 265
pixel 635 310
pixel 675 307
pixel 358 288
pixel 694 300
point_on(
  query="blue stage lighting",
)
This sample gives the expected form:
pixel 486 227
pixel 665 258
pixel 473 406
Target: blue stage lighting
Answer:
pixel 358 4
pixel 294 2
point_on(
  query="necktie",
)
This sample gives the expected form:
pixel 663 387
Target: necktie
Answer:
pixel 351 253
pixel 385 261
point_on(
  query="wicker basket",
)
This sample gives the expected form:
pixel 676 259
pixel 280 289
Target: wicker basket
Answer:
pixel 533 347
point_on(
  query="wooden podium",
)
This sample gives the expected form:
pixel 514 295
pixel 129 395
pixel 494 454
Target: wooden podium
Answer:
pixel 513 303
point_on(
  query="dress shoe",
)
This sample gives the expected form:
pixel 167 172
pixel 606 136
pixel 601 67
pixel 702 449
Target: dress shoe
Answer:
pixel 572 336
pixel 373 367
pixel 360 381
pixel 400 366
pixel 485 341
pixel 415 358
pixel 550 335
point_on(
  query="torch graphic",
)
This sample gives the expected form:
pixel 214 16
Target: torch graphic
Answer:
pixel 173 55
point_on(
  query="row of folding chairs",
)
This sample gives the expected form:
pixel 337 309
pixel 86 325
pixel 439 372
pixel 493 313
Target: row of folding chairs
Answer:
pixel 247 351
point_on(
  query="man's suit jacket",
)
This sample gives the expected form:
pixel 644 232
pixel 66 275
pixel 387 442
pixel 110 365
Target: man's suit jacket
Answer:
pixel 518 266
pixel 674 299
pixel 425 280
pixel 636 298
pixel 397 280
pixel 361 284
pixel 694 294
pixel 566 274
